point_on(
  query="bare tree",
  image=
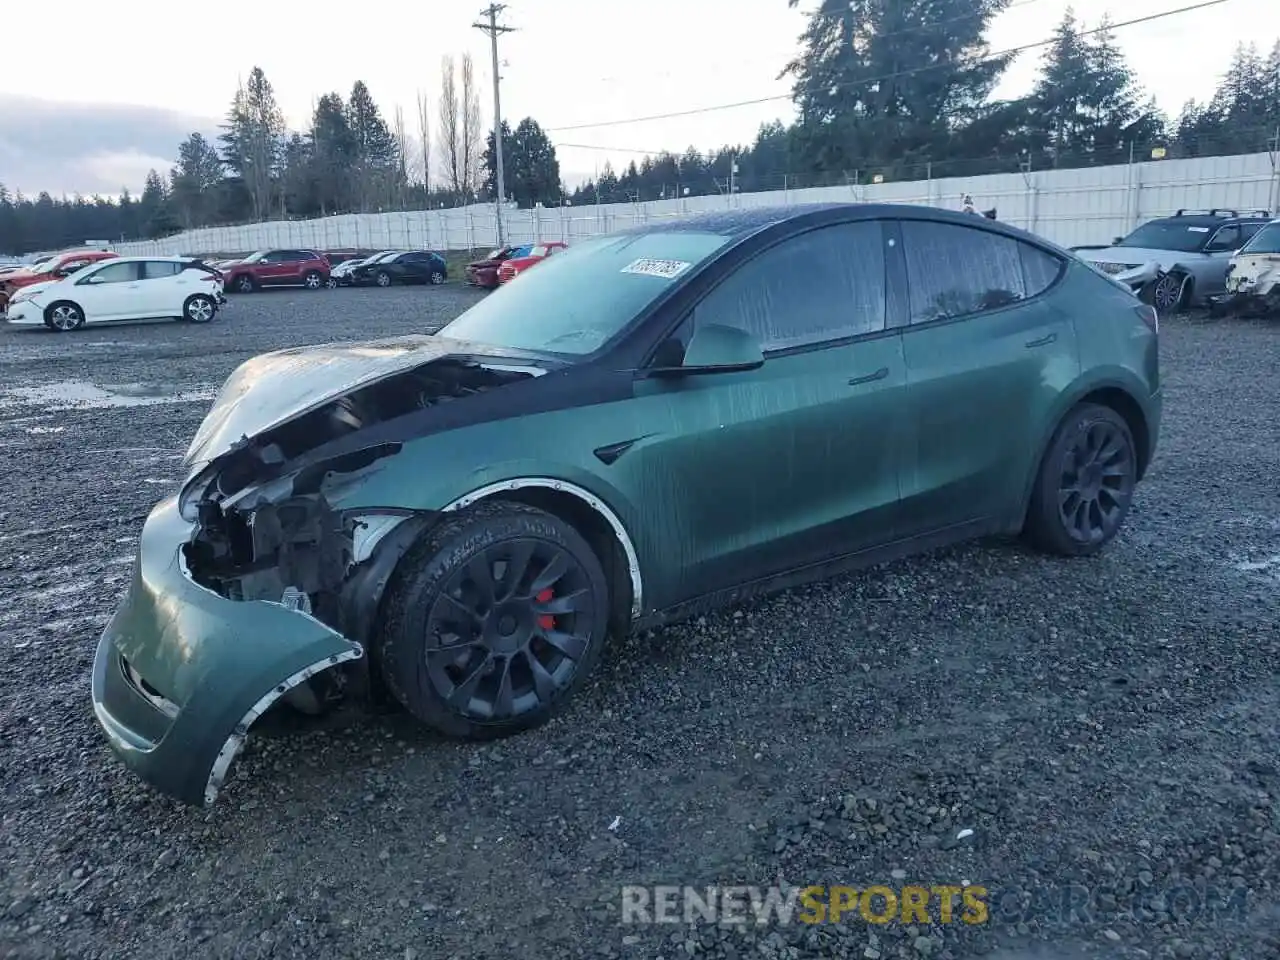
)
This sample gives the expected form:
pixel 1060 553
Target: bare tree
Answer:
pixel 403 146
pixel 472 134
pixel 424 140
pixel 451 129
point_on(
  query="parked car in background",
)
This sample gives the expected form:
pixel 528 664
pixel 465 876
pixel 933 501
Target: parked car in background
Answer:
pixel 55 268
pixel 1253 276
pixel 728 396
pixel 1180 261
pixel 484 273
pixel 340 274
pixel 345 278
pixel 514 266
pixel 408 266
pixel 122 288
pixel 277 268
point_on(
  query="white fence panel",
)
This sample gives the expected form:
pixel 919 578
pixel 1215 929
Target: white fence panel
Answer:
pixel 1070 207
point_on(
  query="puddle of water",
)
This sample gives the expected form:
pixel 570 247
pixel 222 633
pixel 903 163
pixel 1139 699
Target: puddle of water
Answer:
pixel 1258 566
pixel 79 395
pixel 38 430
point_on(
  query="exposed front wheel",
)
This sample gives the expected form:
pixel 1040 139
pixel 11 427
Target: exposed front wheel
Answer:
pixel 383 278
pixel 1167 294
pixel 63 316
pixel 1085 485
pixel 199 308
pixel 493 621
pixel 331 283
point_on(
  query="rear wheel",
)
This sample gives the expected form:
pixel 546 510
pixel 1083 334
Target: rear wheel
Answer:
pixel 199 308
pixel 313 280
pixel 244 283
pixel 437 277
pixel 63 316
pixel 493 621
pixel 1085 485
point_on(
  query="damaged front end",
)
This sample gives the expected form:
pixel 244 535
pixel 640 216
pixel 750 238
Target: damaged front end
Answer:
pixel 1252 287
pixel 253 585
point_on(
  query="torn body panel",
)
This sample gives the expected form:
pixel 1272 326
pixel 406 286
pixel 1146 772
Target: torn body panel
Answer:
pixel 181 671
pixel 1253 286
pixel 251 585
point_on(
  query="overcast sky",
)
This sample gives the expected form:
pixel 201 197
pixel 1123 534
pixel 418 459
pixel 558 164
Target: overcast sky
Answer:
pixel 126 89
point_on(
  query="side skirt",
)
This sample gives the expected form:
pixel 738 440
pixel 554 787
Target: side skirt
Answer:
pixel 824 570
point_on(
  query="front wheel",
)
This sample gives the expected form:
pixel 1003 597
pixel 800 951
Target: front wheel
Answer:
pixel 1085 485
pixel 1168 294
pixel 63 317
pixel 332 283
pixel 493 621
pixel 384 278
pixel 199 308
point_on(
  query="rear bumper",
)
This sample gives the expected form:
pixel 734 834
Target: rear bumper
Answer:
pixel 181 673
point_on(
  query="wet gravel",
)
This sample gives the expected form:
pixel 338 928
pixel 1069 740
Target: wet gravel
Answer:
pixel 1106 729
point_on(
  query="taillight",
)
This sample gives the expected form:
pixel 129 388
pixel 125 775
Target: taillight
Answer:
pixel 1148 315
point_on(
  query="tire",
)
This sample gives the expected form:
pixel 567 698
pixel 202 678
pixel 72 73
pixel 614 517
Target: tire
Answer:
pixel 383 279
pixel 437 277
pixel 1170 293
pixel 63 316
pixel 199 309
pixel 313 280
pixel 331 283
pixel 1075 509
pixel 434 596
pixel 244 284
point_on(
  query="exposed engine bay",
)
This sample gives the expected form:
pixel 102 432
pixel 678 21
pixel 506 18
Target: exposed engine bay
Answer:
pixel 265 529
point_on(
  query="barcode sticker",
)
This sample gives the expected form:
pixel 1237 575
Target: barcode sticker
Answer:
pixel 667 269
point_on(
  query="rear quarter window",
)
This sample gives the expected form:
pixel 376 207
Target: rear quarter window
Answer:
pixel 1040 269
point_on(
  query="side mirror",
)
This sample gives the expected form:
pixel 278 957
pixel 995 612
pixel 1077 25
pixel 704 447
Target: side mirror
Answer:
pixel 715 348
pixel 93 279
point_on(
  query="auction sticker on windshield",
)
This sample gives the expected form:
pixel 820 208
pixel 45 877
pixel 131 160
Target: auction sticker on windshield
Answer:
pixel 668 269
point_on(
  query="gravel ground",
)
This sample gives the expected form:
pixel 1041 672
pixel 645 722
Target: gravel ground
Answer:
pixel 1106 726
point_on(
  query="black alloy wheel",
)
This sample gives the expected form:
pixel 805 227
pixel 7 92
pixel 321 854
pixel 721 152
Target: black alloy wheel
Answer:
pixel 1086 482
pixel 496 620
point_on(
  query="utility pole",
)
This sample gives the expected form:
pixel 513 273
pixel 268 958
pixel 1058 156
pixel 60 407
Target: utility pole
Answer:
pixel 491 29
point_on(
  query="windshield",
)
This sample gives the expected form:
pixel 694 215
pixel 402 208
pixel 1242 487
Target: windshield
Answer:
pixel 1168 235
pixel 1266 240
pixel 496 254
pixel 255 257
pixel 585 294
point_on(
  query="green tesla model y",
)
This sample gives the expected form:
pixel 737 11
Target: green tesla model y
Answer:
pixel 652 423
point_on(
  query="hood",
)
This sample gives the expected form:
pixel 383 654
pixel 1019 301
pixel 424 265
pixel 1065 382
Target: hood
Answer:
pixel 273 388
pixel 22 273
pixel 1137 256
pixel 34 288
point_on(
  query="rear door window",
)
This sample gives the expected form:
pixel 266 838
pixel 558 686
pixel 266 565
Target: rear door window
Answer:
pixel 956 271
pixel 159 269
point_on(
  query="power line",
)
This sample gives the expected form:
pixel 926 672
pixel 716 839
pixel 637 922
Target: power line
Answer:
pixel 1011 51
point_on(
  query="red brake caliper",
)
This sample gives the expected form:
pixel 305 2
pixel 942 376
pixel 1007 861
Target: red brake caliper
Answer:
pixel 546 621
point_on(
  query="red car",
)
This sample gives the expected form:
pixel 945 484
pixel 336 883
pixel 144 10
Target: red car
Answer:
pixel 484 273
pixel 513 266
pixel 63 265
pixel 277 268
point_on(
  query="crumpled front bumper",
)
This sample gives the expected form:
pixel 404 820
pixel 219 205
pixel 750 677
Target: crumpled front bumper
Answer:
pixel 181 673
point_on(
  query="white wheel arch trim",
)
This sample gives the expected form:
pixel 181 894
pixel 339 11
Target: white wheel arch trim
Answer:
pixel 591 500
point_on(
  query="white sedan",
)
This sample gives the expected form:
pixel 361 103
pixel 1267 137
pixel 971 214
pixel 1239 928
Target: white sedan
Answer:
pixel 123 288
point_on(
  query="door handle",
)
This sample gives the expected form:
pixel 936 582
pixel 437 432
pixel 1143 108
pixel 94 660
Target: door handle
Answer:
pixel 1042 342
pixel 870 377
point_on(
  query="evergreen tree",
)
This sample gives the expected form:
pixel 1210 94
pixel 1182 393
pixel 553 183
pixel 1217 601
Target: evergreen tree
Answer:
pixel 252 140
pixel 195 181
